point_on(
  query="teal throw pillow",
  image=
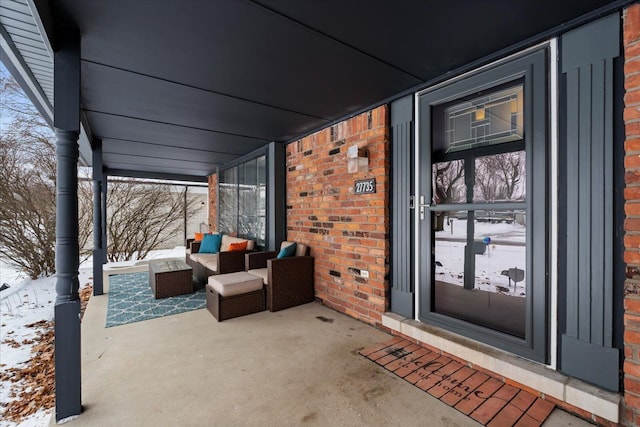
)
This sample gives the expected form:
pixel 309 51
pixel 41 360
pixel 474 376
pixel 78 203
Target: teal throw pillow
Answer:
pixel 288 251
pixel 210 244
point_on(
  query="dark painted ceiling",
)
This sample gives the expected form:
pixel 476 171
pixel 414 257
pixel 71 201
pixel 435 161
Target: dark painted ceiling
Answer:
pixel 180 87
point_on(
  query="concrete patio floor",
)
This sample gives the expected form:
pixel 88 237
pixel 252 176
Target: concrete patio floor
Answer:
pixel 295 367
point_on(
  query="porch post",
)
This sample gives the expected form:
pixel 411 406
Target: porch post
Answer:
pixel 98 247
pixel 184 211
pixel 276 195
pixel 105 242
pixel 67 305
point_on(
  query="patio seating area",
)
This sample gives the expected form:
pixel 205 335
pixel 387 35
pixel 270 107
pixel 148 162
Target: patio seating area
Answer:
pixel 244 281
pixel 293 367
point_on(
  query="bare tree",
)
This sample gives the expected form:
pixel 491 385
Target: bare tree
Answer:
pixel 500 176
pixel 27 186
pixel 228 207
pixel 513 173
pixel 448 176
pixel 143 216
pixel 449 186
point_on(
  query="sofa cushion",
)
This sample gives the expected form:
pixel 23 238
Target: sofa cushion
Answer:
pixel 211 264
pixel 235 283
pixel 262 273
pixel 302 249
pixel 203 258
pixel 227 240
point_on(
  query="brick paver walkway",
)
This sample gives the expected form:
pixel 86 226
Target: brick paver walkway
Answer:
pixel 484 398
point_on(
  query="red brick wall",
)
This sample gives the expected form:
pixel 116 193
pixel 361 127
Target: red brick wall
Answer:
pixel 631 37
pixel 213 202
pixel 346 233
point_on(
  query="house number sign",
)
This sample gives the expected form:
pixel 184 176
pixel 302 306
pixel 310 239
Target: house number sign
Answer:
pixel 365 186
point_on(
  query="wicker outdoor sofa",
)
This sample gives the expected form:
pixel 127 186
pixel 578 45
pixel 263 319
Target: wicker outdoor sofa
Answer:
pixel 225 261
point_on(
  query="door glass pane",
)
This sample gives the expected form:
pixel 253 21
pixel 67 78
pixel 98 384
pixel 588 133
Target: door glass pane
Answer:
pixel 448 182
pixel 500 177
pixel 480 268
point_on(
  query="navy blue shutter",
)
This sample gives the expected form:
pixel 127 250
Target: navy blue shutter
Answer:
pixel 587 225
pixel 402 228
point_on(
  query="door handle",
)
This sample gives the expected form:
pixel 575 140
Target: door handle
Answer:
pixel 422 203
pixel 423 207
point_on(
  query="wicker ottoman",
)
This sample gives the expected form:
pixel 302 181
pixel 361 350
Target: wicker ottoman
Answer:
pixel 234 294
pixel 170 278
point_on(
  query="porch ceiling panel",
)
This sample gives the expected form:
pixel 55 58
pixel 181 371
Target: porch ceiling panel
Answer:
pixel 221 78
pixel 117 147
pixel 150 163
pixel 242 49
pixel 116 92
pixel 429 38
pixel 133 131
pixel 137 170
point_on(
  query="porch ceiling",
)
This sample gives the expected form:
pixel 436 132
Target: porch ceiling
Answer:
pixel 181 87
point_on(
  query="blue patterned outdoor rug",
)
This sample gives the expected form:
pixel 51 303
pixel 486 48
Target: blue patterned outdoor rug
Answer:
pixel 131 300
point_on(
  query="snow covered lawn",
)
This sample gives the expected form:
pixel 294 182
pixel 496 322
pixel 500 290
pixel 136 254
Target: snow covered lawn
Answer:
pixel 26 302
pixel 505 249
pixel 31 302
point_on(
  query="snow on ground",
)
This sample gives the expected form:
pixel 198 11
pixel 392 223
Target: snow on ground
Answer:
pixel 456 227
pixel 505 250
pixel 177 252
pixel 28 301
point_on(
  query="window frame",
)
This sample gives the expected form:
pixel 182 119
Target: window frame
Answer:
pixel 235 167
